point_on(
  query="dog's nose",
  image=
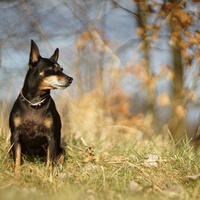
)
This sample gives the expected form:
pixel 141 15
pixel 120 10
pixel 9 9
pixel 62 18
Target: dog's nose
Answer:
pixel 69 79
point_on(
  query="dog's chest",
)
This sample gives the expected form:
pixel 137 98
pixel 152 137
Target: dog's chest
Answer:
pixel 33 124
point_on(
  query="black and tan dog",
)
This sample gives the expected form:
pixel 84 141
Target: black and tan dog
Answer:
pixel 34 121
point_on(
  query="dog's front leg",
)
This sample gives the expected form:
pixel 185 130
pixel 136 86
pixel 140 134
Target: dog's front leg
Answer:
pixel 51 152
pixel 16 148
pixel 18 158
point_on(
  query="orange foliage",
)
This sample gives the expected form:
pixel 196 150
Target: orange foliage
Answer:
pixel 183 44
pixel 181 111
pixel 181 18
pixel 170 74
pixel 190 94
pixel 167 71
pixel 139 122
pixel 97 38
pixel 139 31
pixel 119 105
pixel 81 42
pixel 163 99
pixel 168 7
pixel 152 82
pixel 175 38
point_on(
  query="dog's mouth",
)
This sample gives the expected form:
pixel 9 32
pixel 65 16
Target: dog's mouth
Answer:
pixel 60 87
pixel 55 82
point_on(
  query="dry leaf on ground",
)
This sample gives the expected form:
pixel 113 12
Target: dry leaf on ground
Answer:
pixel 91 167
pixel 134 187
pixel 151 160
pixel 193 177
pixel 174 191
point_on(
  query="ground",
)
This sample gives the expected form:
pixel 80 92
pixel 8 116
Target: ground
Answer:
pixel 127 168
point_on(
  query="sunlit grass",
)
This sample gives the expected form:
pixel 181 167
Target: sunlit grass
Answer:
pixel 104 167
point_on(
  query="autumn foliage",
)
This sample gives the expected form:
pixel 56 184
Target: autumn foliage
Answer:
pixel 176 22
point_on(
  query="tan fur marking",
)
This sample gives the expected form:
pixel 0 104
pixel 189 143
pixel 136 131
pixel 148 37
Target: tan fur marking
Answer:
pixel 48 122
pixel 17 121
pixel 49 166
pixel 48 160
pixel 45 86
pixel 41 73
pixel 60 77
pixel 50 79
pixel 46 83
pixel 17 167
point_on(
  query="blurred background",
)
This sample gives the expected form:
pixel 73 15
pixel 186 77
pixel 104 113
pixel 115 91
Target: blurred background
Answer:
pixel 135 63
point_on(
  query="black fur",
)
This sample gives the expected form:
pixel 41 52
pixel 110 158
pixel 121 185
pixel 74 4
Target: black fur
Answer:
pixel 34 121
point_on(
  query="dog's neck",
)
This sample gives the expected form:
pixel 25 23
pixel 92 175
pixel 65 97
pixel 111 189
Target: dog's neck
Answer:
pixel 36 104
pixel 33 97
pixel 31 93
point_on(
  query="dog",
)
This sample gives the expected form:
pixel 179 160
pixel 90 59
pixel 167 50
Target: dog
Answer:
pixel 34 121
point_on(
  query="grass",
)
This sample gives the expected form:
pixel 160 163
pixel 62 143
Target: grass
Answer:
pixel 105 172
pixel 112 167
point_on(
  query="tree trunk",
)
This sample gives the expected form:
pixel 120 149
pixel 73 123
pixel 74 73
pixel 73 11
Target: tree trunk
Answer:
pixel 177 122
pixel 142 22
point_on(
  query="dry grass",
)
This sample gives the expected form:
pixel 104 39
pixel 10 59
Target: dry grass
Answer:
pixel 104 160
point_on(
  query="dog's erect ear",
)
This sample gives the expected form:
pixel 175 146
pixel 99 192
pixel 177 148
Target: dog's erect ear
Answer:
pixel 34 54
pixel 55 56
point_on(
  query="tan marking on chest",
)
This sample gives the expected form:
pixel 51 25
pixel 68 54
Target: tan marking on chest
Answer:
pixel 17 121
pixel 48 122
pixel 41 73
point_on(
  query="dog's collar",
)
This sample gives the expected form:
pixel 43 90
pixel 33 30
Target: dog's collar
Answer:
pixel 36 105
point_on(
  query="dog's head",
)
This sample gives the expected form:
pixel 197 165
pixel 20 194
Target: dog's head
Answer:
pixel 48 71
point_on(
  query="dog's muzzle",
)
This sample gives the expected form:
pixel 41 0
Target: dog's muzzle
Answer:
pixel 69 79
pixel 62 83
pixel 58 82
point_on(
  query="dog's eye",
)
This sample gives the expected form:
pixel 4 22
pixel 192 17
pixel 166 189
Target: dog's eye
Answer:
pixel 51 68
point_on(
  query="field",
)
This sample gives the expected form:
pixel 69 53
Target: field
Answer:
pixel 103 163
pixel 136 72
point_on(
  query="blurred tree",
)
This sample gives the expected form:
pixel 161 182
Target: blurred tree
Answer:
pixel 180 21
pixel 180 17
pixel 89 23
pixel 177 122
pixel 143 70
pixel 143 14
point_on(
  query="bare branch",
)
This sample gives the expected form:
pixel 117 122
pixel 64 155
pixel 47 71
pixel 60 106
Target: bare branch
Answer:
pixel 42 32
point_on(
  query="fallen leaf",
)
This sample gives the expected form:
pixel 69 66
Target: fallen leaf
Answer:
pixel 91 167
pixel 90 192
pixel 193 177
pixel 118 159
pixel 89 152
pixel 62 175
pixel 151 160
pixel 174 191
pixel 134 187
